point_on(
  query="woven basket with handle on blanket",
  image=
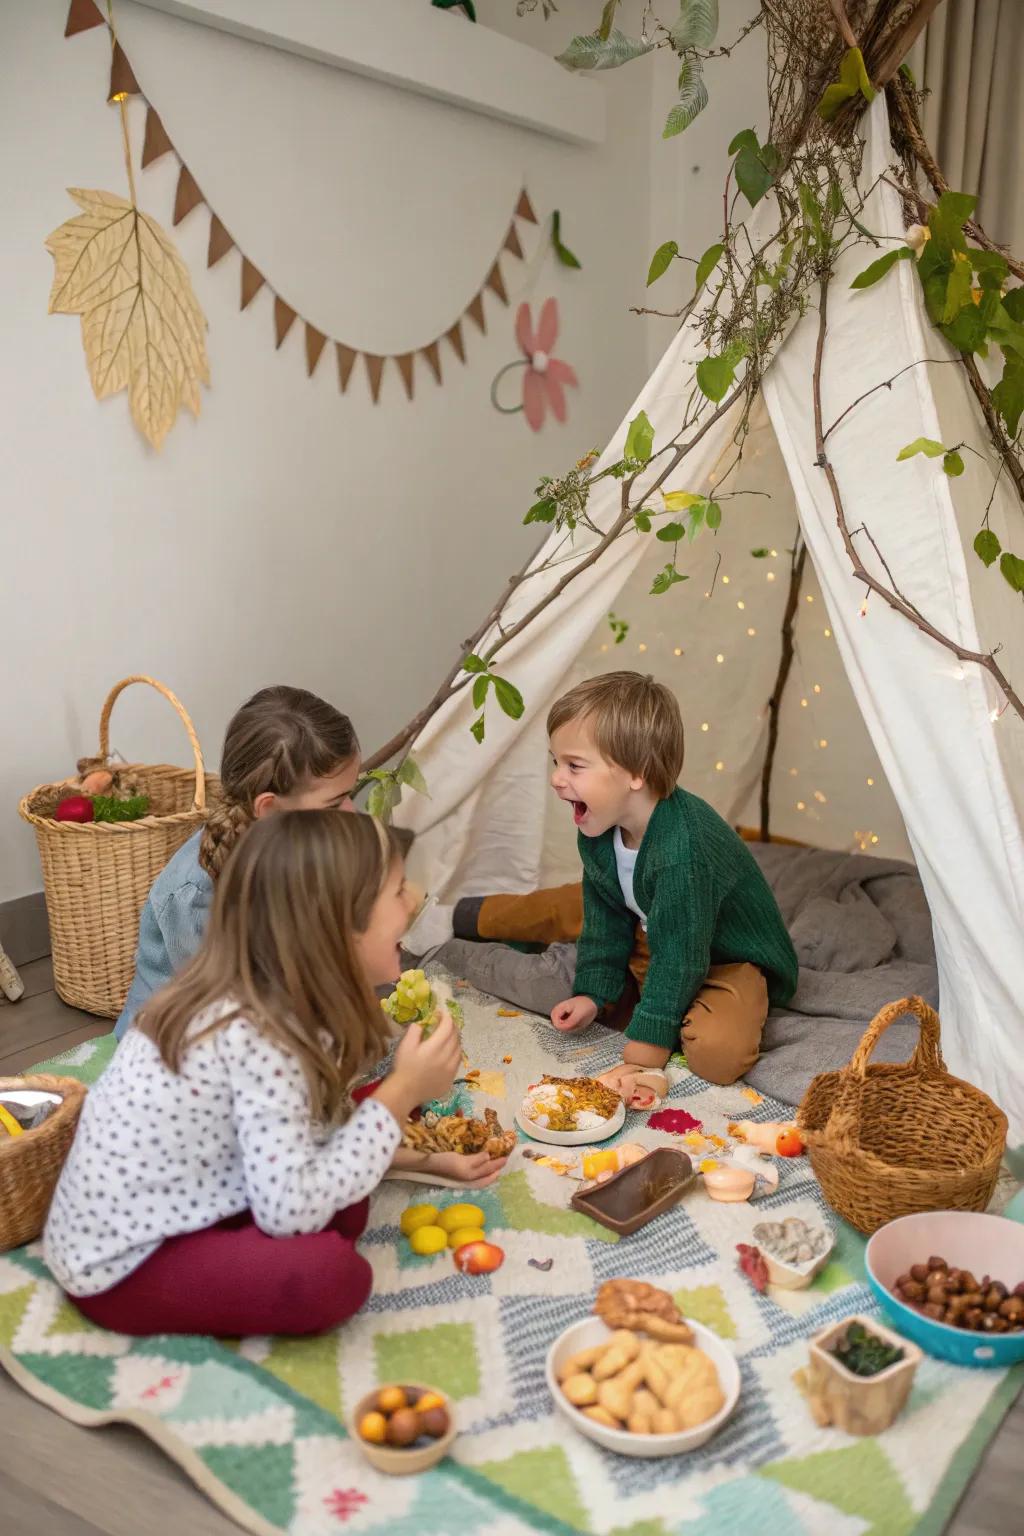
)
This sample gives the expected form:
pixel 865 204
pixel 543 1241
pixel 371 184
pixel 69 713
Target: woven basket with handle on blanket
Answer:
pixel 886 1140
pixel 97 874
pixel 30 1164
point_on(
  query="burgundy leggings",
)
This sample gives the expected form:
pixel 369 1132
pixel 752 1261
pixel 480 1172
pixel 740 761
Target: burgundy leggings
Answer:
pixel 232 1280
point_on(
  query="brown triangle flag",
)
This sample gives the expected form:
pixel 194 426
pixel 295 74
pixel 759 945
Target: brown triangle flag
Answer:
pixel 252 282
pixel 374 370
pixel 188 195
pixel 220 242
pixel 122 77
pixel 512 242
pixel 315 343
pixel 455 337
pixel 284 319
pixel 346 362
pixel 524 208
pixel 475 311
pixel 433 357
pixel 405 365
pixel 496 283
pixel 156 142
pixel 83 15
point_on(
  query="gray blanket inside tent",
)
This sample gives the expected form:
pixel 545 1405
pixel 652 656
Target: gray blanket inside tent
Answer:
pixel 863 936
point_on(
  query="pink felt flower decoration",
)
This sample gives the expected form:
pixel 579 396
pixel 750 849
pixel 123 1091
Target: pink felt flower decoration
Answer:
pixel 546 376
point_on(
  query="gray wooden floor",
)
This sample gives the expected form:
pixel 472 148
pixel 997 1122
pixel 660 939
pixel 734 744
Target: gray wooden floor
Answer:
pixel 59 1480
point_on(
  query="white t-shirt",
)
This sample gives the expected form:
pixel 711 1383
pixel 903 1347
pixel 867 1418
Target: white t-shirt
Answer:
pixel 625 863
pixel 159 1153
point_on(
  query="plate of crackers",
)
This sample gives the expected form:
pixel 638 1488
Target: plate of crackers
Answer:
pixel 640 1379
pixel 570 1111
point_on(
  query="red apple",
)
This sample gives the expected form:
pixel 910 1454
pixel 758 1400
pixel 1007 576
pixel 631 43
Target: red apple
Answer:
pixel 74 808
pixel 479 1258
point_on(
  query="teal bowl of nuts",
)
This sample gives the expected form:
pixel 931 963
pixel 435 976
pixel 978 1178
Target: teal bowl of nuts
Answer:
pixel 953 1281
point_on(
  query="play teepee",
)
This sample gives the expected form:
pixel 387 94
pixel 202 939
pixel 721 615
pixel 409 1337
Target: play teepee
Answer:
pixel 896 728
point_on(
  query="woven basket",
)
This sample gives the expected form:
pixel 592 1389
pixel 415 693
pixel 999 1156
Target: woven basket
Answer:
pixel 889 1140
pixel 97 875
pixel 30 1164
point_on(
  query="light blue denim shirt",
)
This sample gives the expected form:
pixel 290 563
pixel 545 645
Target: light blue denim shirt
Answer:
pixel 173 922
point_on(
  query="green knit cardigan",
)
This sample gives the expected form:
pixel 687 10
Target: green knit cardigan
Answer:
pixel 707 903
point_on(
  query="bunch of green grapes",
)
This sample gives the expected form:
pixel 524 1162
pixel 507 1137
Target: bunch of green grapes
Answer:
pixel 413 1002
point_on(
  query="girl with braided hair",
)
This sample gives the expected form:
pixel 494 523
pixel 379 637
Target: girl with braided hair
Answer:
pixel 285 750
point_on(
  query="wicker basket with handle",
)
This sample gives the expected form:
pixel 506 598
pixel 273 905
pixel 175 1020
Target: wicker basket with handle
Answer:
pixel 97 875
pixel 30 1164
pixel 886 1140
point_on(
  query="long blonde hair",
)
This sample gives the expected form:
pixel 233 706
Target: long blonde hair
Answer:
pixel 280 739
pixel 280 948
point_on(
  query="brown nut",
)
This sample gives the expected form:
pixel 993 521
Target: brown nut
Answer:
pixel 972 1318
pixel 934 1263
pixel 919 1272
pixel 967 1281
pixel 958 1304
pixel 994 1297
pixel 1012 1309
pixel 973 1299
pixel 912 1290
pixel 999 1324
pixel 988 1322
pixel 937 1293
pixel 955 1278
pixel 1018 1290
pixel 903 1280
pixel 932 1309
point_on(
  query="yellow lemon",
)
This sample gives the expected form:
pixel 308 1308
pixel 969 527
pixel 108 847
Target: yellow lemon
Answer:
pixel 417 1216
pixel 428 1240
pixel 465 1235
pixel 456 1216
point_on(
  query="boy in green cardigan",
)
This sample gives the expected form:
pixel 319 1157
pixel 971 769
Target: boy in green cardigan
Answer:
pixel 660 859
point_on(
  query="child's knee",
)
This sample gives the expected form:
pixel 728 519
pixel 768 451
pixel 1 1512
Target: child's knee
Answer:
pixel 714 1060
pixel 341 1289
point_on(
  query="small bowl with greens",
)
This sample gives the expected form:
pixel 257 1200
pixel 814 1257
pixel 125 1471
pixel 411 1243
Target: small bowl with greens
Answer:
pixel 860 1375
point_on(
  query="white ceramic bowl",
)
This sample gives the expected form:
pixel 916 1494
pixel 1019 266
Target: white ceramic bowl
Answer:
pixel 592 1331
pixel 571 1138
pixel 795 1277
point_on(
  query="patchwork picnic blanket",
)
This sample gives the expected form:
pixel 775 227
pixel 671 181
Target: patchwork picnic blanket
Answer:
pixel 261 1427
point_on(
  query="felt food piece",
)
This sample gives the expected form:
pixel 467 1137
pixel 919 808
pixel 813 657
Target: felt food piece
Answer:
pixel 616 1394
pixel 479 1258
pixel 602 1416
pixel 637 1306
pixel 729 1184
pixel 462 1215
pixel 417 1216
pixel 74 808
pixel 581 1389
pixel 99 782
pixel 622 1349
pixel 643 1386
pixel 434 1422
pixel 570 1103
pixel 428 1239
pixel 581 1361
pixel 463 1235
pixel 415 1001
pixel 763 1135
pixel 789 1143
pixel 606 1161
pixel 491 1083
pixel 460 1133
pixel 675 1121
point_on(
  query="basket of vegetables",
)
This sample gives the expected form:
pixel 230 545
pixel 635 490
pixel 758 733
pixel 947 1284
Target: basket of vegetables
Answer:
pixel 103 838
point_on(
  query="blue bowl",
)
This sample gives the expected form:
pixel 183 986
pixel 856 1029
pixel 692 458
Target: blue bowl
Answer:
pixel 987 1245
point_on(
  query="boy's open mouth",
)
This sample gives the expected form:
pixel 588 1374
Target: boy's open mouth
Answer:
pixel 579 810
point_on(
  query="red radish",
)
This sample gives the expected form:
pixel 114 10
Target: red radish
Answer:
pixel 74 808
pixel 479 1258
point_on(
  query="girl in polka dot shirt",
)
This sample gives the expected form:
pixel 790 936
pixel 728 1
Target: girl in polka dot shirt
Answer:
pixel 219 1178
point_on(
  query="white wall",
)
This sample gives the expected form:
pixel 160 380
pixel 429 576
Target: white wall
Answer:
pixel 291 534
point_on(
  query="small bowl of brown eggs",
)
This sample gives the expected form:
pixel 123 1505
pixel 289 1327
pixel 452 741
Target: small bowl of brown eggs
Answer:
pixel 404 1428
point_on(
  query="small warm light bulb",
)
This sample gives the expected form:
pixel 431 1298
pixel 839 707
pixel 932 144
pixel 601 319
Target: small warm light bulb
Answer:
pixel 120 96
pixel 604 647
pixel 719 657
pixel 704 726
pixel 803 703
pixel 810 599
pixel 820 797
pixel 874 839
pixel 823 742
pixel 771 575
pixel 828 634
pixel 641 646
pixel 800 806
pixel 719 767
pixel 817 687
pixel 793 773
pixel 774 553
pixel 751 632
pixel 678 650
pixel 741 604
pixel 871 783
pixel 725 581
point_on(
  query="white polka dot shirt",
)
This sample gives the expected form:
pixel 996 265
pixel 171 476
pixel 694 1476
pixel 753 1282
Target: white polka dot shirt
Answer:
pixel 158 1154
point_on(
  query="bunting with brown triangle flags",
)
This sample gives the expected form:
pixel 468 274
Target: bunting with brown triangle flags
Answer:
pixel 84 15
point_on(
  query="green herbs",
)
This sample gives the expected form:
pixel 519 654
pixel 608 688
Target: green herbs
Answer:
pixel 109 808
pixel 864 1353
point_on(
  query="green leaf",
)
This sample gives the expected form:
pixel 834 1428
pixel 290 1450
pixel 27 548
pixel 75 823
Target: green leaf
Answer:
pixel 697 24
pixel 958 291
pixel 565 256
pixel 877 270
pixel 760 554
pixel 968 329
pixel 680 501
pixel 952 463
pixel 753 176
pixel 542 511
pixel 707 264
pixel 835 97
pixel 509 697
pixel 476 730
pixel 410 773
pixel 713 515
pixel 714 376
pixel 1013 570
pixel 834 201
pixel 745 139
pixel 639 438
pixel 908 74
pixel 926 445
pixel 991 267
pixel 666 579
pixel 693 97
pixel 595 52
pixel 1013 303
pixel 661 260
pixel 1008 394
pixel 383 797
pixel 987 547
pixel 853 80
pixel 671 533
pixel 480 688
pixel 811 209
pixel 474 663
pixel 642 522
pixel 696 521
pixel 607 18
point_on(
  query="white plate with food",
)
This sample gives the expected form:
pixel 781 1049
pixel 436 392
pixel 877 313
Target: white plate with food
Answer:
pixel 570 1111
pixel 712 1379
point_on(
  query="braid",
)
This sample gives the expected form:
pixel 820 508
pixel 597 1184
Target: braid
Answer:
pixel 226 822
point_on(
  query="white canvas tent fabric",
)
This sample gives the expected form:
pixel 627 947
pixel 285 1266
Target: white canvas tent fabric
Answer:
pixel 952 769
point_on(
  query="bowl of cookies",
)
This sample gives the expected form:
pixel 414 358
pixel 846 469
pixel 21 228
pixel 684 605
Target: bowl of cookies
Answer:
pixel 570 1111
pixel 638 1378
